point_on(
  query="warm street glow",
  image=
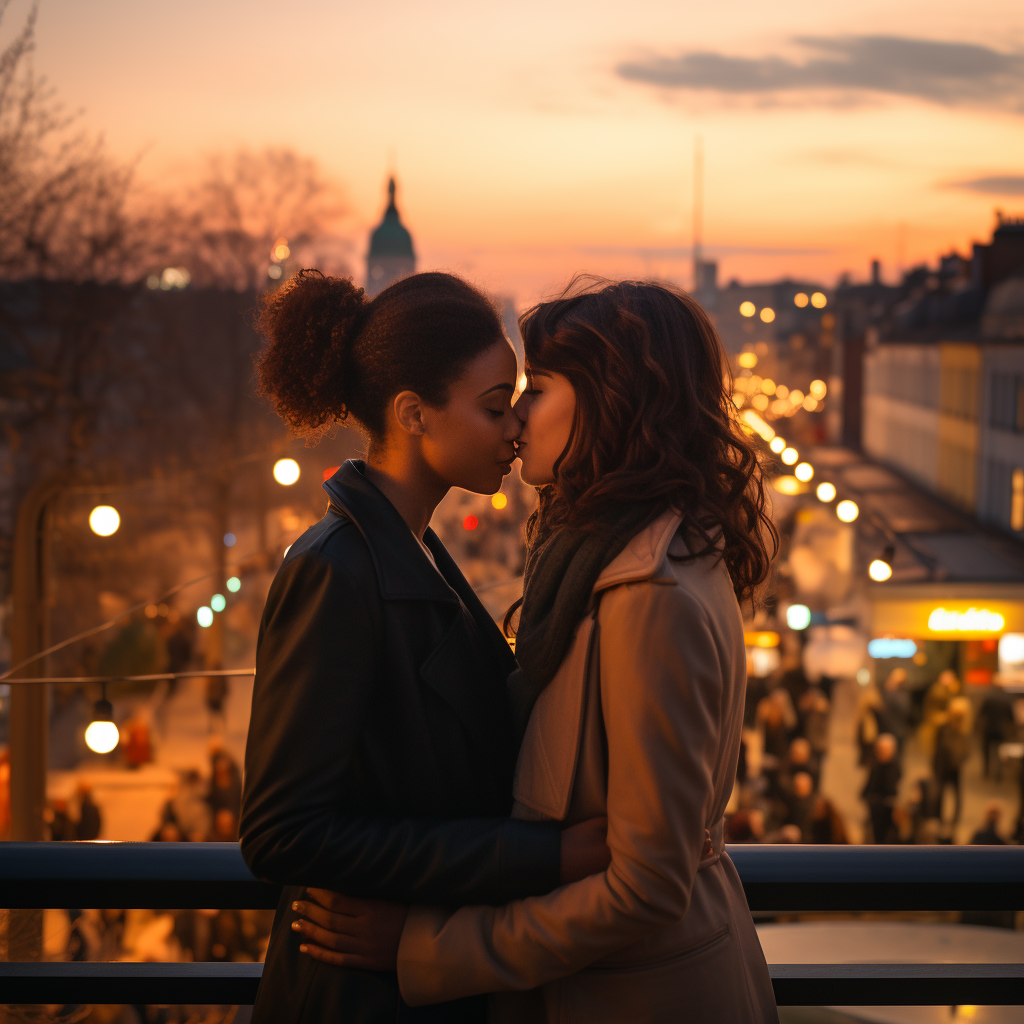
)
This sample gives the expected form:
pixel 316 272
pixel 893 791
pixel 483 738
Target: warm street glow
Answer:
pixel 778 444
pixel 761 638
pixel 204 616
pixel 880 570
pixel 768 386
pixel 767 314
pixel 747 360
pixel 286 471
pixel 499 501
pixel 818 389
pixel 789 456
pixel 800 299
pixel 818 300
pixel 847 510
pixel 747 309
pixel 757 424
pixel 826 491
pixel 470 523
pixel 804 472
pixel 788 485
pixel 101 737
pixel 104 520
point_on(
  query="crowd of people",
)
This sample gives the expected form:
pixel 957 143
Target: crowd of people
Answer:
pixel 782 800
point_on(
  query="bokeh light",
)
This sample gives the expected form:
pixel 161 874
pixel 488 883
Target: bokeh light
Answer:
pixel 104 520
pixel 847 510
pixel 778 444
pixel 748 360
pixel 234 584
pixel 286 471
pixel 798 616
pixel 470 523
pixel 804 472
pixel 218 602
pixel 767 314
pixel 499 501
pixel 789 456
pixel 826 491
pixel 747 309
pixel 800 299
pixel 818 300
pixel 880 570
pixel 102 737
pixel 204 616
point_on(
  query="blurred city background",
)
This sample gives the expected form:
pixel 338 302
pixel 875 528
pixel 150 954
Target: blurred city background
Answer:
pixel 844 193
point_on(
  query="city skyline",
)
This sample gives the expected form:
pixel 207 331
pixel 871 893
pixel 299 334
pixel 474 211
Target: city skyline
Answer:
pixel 533 143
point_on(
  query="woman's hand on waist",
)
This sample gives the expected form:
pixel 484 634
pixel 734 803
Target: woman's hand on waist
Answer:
pixel 350 932
pixel 584 850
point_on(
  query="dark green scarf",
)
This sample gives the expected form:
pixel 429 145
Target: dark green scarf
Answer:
pixel 557 586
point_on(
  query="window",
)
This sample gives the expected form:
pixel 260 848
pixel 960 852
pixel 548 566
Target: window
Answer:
pixel 1007 411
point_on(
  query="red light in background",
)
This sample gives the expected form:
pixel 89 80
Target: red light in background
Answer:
pixel 328 473
pixel 471 522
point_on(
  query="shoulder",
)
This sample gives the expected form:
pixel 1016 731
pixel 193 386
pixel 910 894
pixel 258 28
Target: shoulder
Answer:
pixel 333 549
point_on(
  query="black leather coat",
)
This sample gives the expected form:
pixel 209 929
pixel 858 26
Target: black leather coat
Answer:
pixel 379 759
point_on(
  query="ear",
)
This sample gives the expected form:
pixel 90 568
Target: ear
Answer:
pixel 408 408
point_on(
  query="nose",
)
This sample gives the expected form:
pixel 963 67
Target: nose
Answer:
pixel 513 426
pixel 522 407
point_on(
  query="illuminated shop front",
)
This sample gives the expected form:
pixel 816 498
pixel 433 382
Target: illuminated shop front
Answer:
pixel 976 630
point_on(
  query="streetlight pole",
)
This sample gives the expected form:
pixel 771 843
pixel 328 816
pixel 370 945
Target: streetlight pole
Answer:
pixel 30 629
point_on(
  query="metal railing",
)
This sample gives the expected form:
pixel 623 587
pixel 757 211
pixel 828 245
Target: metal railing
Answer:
pixel 777 879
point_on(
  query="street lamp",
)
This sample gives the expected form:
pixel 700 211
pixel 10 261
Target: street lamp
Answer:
pixel 104 520
pixel 880 569
pixel 101 735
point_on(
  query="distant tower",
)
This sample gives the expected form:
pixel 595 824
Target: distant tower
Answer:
pixel 391 255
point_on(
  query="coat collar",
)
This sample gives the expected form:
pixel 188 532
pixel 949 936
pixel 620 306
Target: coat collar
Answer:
pixel 403 571
pixel 641 558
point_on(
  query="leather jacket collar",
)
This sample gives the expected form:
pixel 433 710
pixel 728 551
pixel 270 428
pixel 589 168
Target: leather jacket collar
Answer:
pixel 403 572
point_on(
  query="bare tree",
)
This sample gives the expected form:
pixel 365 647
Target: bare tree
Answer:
pixel 252 214
pixel 64 212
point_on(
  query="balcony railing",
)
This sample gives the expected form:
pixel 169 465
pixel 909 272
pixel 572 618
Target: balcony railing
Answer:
pixel 777 879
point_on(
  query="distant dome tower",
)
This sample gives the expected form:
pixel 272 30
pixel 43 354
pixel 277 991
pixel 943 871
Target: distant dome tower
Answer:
pixel 391 255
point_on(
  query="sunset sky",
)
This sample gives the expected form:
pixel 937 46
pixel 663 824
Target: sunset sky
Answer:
pixel 534 139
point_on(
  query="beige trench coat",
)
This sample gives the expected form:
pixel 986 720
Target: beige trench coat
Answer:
pixel 642 722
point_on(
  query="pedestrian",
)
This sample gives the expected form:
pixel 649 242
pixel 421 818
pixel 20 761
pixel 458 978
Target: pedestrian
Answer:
pixel 826 824
pixel 870 721
pixel 90 820
pixel 216 694
pixel 800 804
pixel 814 709
pixel 225 785
pixel 936 701
pixel 62 827
pixel 880 789
pixel 896 702
pixel 952 746
pixel 988 834
pixel 997 726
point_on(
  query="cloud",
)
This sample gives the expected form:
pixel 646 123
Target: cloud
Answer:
pixel 942 72
pixel 998 185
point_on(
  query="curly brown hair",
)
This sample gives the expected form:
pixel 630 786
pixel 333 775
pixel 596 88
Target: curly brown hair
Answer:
pixel 653 421
pixel 332 352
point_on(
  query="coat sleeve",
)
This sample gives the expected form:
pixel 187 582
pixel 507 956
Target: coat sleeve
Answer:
pixel 661 686
pixel 315 670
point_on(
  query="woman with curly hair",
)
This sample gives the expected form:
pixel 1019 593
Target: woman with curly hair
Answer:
pixel 629 696
pixel 380 756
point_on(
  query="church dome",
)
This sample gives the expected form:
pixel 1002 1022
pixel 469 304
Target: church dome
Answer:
pixel 390 237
